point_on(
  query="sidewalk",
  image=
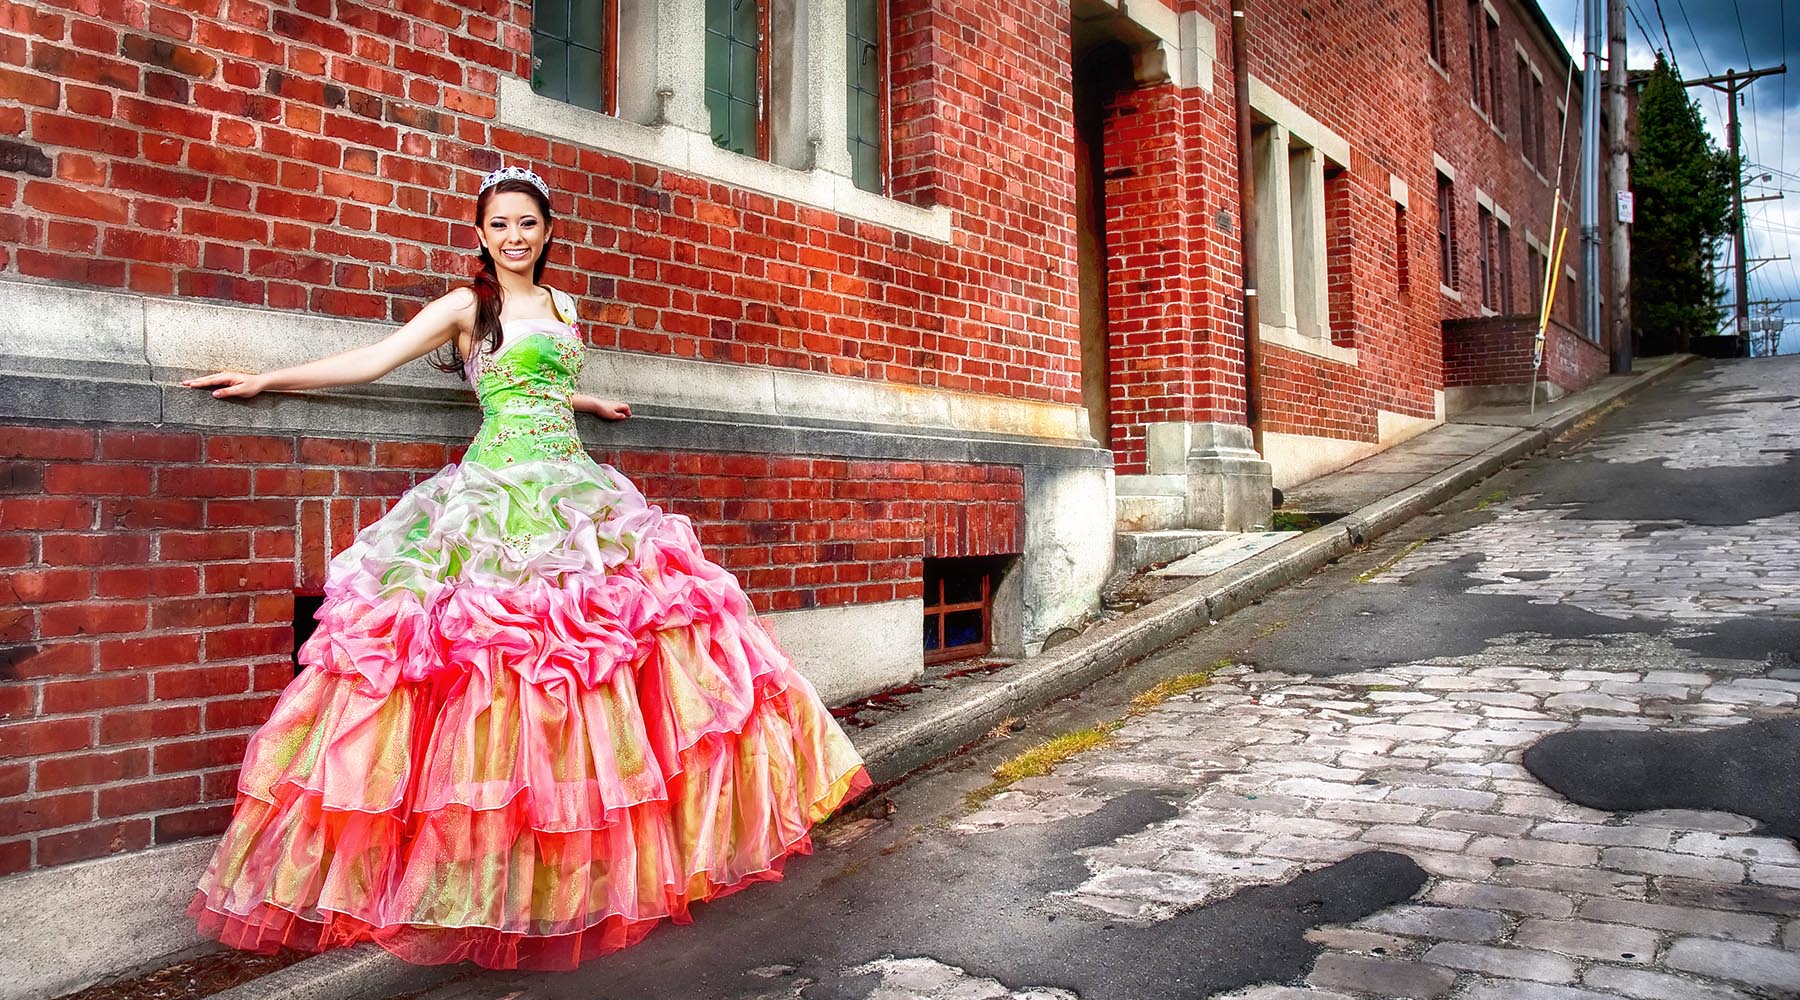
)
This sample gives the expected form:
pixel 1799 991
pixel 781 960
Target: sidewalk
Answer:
pixel 954 706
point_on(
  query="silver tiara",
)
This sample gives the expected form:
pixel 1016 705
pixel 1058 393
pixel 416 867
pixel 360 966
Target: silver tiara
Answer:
pixel 514 174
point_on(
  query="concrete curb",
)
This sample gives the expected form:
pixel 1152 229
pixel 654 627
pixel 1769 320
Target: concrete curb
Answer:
pixel 364 971
pixel 927 733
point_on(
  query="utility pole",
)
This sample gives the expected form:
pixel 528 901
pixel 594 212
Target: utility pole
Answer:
pixel 1729 84
pixel 1621 184
pixel 1590 166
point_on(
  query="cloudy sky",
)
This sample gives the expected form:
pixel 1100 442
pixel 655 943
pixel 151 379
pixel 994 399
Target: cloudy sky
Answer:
pixel 1707 37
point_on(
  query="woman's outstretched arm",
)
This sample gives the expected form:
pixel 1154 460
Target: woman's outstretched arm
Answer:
pixel 440 320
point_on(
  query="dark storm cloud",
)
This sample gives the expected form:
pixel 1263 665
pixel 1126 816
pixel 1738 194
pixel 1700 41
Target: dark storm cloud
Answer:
pixel 1703 34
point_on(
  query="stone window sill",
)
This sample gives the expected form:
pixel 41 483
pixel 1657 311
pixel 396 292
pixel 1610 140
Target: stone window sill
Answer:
pixel 1294 340
pixel 1450 293
pixel 694 153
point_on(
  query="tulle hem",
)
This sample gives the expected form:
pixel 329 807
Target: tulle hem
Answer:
pixel 267 928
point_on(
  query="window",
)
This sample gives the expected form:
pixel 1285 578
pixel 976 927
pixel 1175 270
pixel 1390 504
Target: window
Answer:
pixel 1475 19
pixel 1293 231
pixel 1434 30
pixel 1307 222
pixel 1484 253
pixel 737 75
pixel 959 607
pixel 1534 277
pixel 1503 263
pixel 1446 206
pixel 1402 262
pixel 573 51
pixel 1494 75
pixel 867 95
pixel 1537 123
pixel 1527 115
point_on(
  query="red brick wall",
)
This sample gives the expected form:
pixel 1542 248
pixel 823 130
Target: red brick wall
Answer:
pixel 1353 68
pixel 1487 155
pixel 1571 360
pixel 1183 361
pixel 324 158
pixel 148 582
pixel 1150 342
pixel 1497 350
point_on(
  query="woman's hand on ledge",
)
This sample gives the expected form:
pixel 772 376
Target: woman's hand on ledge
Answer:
pixel 232 385
pixel 605 409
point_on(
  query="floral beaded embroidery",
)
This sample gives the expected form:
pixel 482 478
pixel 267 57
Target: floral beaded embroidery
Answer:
pixel 525 388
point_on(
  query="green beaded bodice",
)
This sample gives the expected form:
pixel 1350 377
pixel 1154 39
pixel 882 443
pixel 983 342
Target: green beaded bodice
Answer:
pixel 524 389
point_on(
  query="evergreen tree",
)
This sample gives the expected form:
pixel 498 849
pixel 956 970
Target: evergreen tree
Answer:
pixel 1682 187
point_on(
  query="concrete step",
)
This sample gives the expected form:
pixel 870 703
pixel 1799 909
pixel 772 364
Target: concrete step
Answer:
pixel 1158 512
pixel 1136 551
pixel 1224 554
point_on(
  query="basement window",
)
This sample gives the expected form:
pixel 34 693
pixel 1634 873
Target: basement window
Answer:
pixel 306 606
pixel 959 607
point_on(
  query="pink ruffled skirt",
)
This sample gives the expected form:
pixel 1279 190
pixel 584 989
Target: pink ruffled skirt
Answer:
pixel 535 722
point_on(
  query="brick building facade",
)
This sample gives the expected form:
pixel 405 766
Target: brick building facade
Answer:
pixel 929 304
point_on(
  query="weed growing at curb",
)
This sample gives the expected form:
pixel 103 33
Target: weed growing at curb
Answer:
pixel 1043 758
pixel 1177 685
pixel 1369 574
pixel 1490 500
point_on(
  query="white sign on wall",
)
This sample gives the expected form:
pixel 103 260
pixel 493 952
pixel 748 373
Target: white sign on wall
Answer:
pixel 1626 207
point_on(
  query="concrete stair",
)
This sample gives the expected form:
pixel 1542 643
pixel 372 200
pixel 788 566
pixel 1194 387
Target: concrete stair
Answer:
pixel 1151 513
pixel 1136 551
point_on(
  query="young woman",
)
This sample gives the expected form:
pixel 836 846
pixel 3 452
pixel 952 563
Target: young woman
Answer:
pixel 535 720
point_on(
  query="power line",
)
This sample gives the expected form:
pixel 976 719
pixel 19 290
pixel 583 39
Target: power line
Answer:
pixel 1674 63
pixel 1738 11
pixel 1649 43
pixel 1705 66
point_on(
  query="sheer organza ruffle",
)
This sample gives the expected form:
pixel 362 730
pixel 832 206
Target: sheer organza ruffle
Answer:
pixel 536 721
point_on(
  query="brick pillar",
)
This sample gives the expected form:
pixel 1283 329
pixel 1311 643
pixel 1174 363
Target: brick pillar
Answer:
pixel 1150 346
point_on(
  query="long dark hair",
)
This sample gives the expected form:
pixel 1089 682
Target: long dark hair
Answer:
pixel 486 285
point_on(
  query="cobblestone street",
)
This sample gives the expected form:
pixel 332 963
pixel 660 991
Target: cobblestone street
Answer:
pixel 1352 794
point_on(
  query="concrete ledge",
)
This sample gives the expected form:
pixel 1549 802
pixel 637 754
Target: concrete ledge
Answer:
pixel 66 927
pixel 159 339
pixel 87 393
pixel 831 646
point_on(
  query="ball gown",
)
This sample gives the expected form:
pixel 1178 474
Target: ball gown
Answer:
pixel 534 720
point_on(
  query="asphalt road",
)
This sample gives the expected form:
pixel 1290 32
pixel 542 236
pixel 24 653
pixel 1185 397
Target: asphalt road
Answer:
pixel 1540 743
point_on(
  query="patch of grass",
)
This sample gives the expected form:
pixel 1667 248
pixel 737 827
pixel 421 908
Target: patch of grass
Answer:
pixel 1293 520
pixel 1369 574
pixel 1041 760
pixel 1177 685
pixel 1269 630
pixel 1490 500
